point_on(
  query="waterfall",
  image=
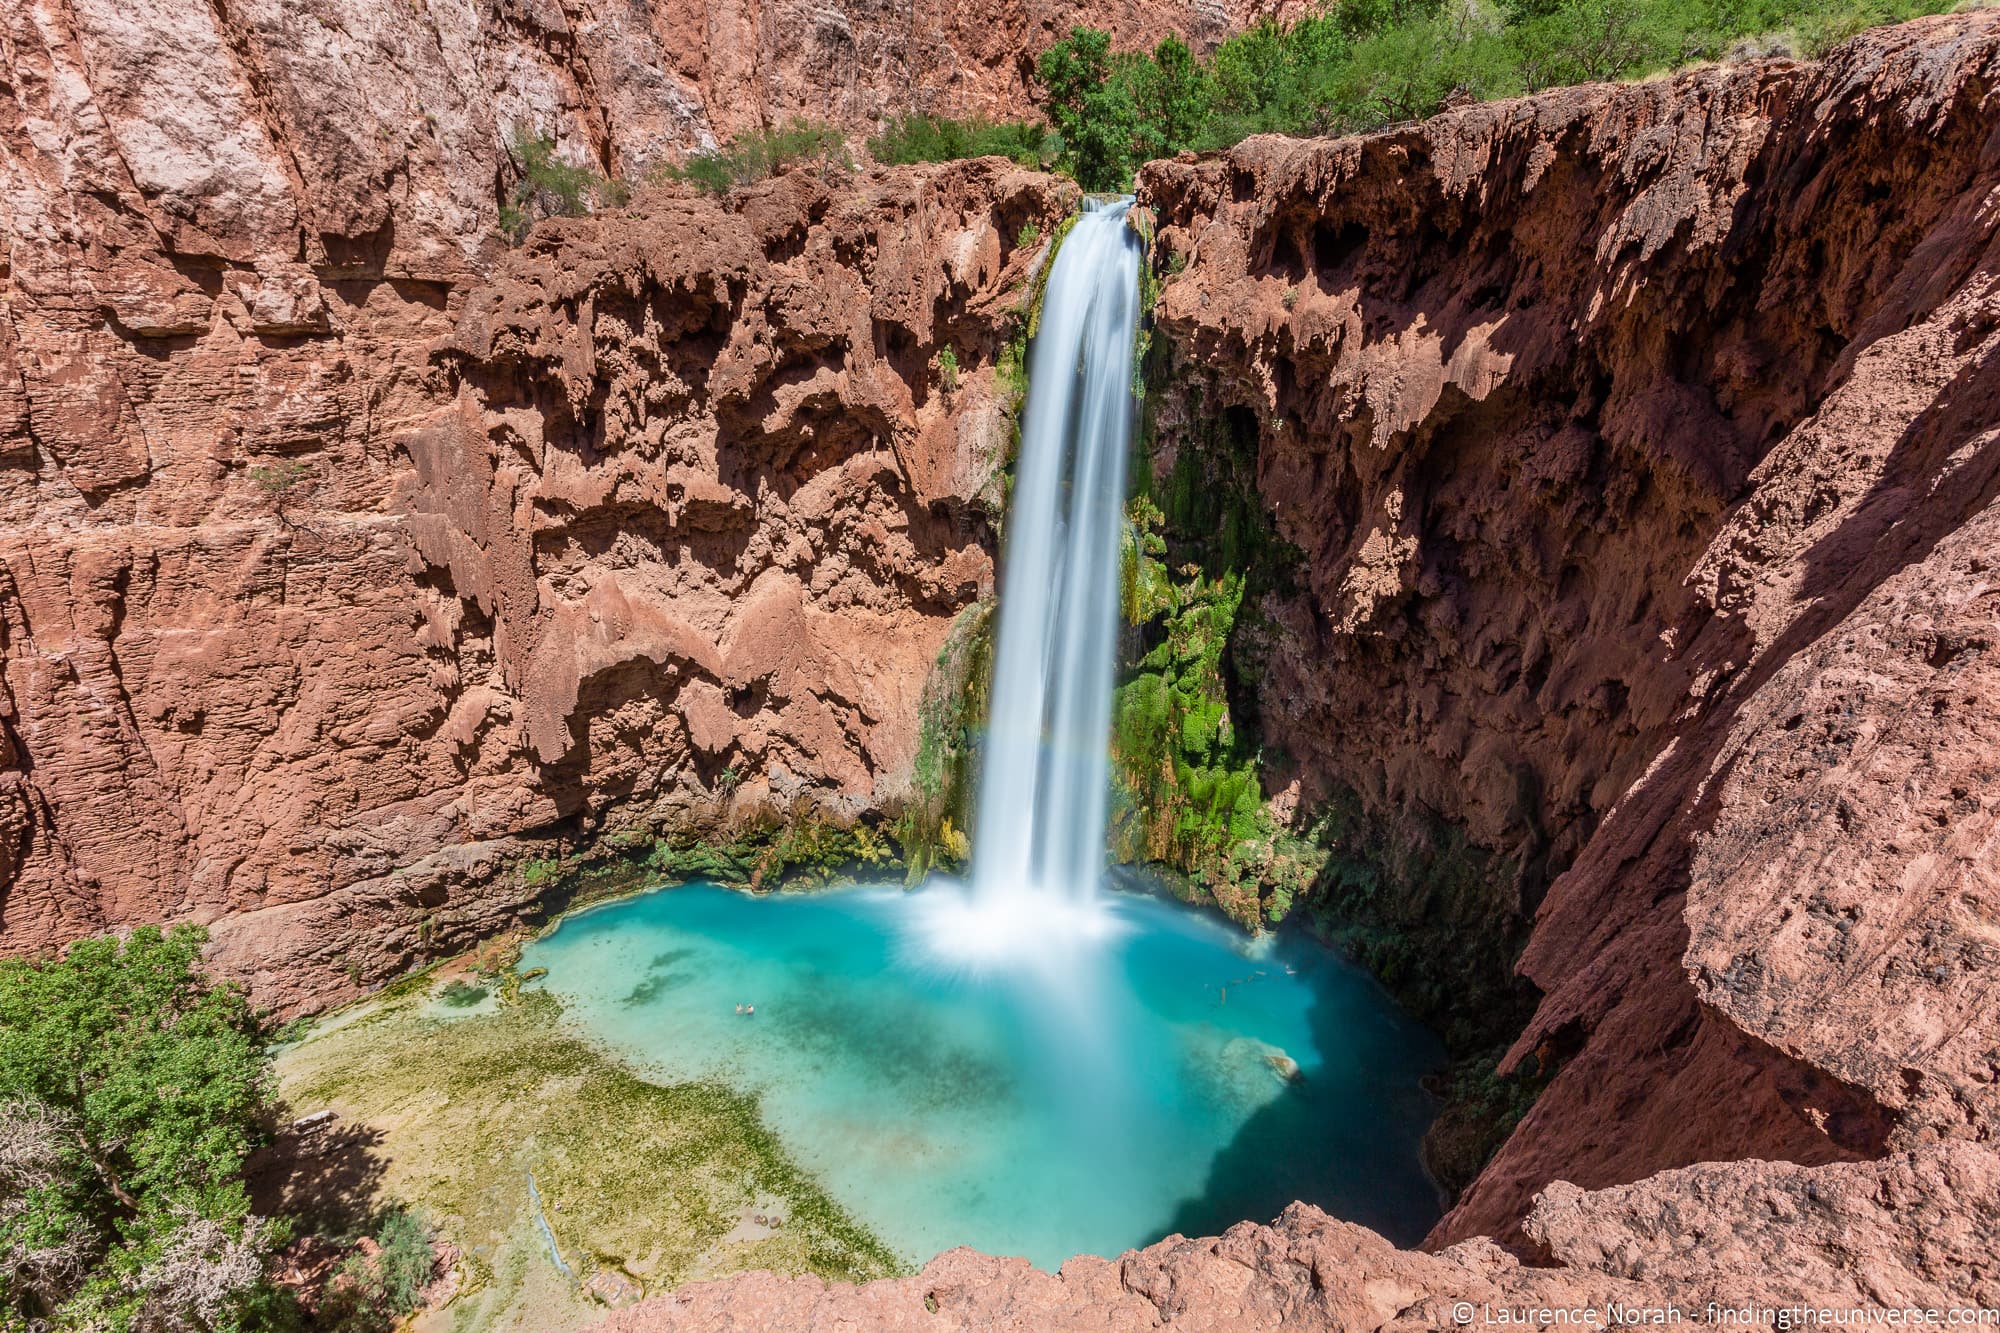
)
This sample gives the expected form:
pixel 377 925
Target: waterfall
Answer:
pixel 1046 774
pixel 1044 785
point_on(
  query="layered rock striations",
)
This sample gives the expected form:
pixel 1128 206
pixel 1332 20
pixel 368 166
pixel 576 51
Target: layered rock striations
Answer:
pixel 317 599
pixel 1642 446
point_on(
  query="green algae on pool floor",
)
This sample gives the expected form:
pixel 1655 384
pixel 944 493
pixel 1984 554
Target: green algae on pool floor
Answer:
pixel 667 1182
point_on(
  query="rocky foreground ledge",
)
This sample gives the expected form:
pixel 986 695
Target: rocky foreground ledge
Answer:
pixel 1917 1230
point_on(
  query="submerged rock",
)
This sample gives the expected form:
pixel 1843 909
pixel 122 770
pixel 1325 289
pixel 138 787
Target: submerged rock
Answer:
pixel 614 1288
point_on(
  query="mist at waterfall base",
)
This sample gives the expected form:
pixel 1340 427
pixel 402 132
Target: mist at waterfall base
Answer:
pixel 1025 1062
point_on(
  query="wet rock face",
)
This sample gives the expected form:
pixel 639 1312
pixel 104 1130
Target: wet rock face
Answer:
pixel 1642 444
pixel 313 602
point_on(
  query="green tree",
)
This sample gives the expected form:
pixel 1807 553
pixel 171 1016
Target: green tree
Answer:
pixel 131 1090
pixel 1589 41
pixel 1409 71
pixel 1172 99
pixel 1091 107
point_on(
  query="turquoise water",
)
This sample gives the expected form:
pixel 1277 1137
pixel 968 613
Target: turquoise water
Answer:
pixel 943 1107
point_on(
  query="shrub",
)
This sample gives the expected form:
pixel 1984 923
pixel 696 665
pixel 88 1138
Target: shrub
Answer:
pixel 547 186
pixel 947 363
pixel 281 481
pixel 759 154
pixel 132 1087
pixel 921 137
pixel 384 1280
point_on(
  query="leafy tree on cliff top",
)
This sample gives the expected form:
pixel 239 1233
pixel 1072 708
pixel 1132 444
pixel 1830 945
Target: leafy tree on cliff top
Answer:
pixel 1089 98
pixel 1173 97
pixel 131 1089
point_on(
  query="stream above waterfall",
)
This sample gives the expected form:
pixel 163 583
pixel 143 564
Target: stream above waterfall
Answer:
pixel 935 1105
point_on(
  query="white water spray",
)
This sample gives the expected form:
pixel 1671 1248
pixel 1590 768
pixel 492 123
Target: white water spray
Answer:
pixel 1045 779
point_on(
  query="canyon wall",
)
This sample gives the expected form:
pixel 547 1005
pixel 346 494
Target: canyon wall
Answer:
pixel 292 525
pixel 375 134
pixel 320 585
pixel 1641 446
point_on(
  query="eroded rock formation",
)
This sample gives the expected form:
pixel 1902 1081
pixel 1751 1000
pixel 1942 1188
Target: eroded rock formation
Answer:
pixel 1642 444
pixel 316 599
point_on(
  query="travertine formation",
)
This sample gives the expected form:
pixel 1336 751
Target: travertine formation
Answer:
pixel 1912 1232
pixel 1643 445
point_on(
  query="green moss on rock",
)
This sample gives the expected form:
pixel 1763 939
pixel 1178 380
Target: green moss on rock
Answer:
pixel 651 1179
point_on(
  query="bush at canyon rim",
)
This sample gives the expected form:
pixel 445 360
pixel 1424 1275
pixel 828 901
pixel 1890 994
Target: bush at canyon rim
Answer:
pixel 921 137
pixel 550 187
pixel 751 157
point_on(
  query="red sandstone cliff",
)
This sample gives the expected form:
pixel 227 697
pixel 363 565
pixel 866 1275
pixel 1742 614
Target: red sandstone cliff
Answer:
pixel 318 586
pixel 1643 445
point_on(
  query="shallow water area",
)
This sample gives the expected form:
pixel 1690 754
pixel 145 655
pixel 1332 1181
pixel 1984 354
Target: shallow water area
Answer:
pixel 1134 1082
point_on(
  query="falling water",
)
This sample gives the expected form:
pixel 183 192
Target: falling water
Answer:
pixel 1022 1062
pixel 1045 780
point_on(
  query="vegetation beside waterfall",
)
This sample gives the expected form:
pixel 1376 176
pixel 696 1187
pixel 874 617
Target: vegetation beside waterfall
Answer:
pixel 1188 792
pixel 1187 761
pixel 1347 66
pixel 932 825
pixel 1436 918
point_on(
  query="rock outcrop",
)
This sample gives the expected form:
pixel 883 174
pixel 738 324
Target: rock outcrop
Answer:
pixel 1643 444
pixel 375 134
pixel 319 589
pixel 1914 1232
